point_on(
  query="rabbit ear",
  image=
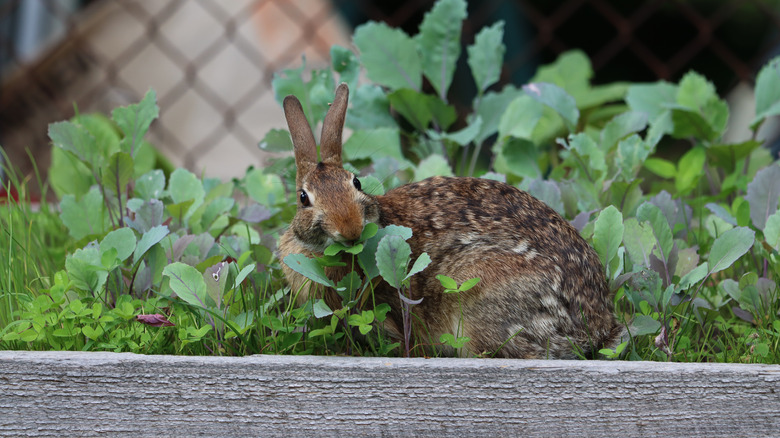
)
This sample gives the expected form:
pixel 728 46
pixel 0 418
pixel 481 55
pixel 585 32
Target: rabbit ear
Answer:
pixel 302 137
pixel 330 145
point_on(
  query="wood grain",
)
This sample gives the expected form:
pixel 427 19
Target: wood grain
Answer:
pixel 88 394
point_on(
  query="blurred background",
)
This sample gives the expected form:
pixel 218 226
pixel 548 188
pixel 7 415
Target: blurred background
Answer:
pixel 211 62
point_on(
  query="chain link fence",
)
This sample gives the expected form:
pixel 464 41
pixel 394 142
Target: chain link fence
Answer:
pixel 211 62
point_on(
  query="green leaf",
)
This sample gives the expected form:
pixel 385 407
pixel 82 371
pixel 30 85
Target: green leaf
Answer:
pixel 266 189
pixel 321 309
pixel 380 142
pixel 422 109
pixel 276 140
pixel 639 241
pixel 620 127
pixel 706 114
pixel 556 98
pixel 518 157
pixel 370 109
pixel 729 247
pixel 772 230
pixel 85 217
pixel 690 124
pixel 661 167
pixel 150 185
pixel 368 255
pixel 309 268
pixel 439 42
pixel 290 82
pixel 363 321
pixel 134 120
pixel 608 234
pixel 433 165
pixel 660 226
pixel 585 147
pixel 644 325
pixel 652 99
pixel 763 193
pixel 491 108
pixel 447 282
pixel 248 269
pixel 117 172
pixel 463 136
pixel 392 258
pixel 520 118
pixel 728 156
pixel 449 339
pixel 149 239
pixel 184 186
pixel 68 175
pixel 572 72
pixel 469 284
pixel 599 95
pixel 77 140
pixel 122 239
pixel 85 269
pixel 389 56
pixel 631 153
pixel 695 91
pixel 346 64
pixel 320 90
pixel 187 282
pixel 92 333
pixel 372 185
pixel 421 263
pixel 696 275
pixel 687 260
pixel 216 208
pixel 767 92
pixel 690 170
pixel 486 56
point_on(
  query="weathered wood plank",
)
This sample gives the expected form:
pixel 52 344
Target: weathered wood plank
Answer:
pixel 69 393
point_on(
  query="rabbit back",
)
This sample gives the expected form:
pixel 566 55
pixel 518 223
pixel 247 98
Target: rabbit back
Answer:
pixel 542 286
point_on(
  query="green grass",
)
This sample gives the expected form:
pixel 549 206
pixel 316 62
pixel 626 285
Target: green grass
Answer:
pixel 33 244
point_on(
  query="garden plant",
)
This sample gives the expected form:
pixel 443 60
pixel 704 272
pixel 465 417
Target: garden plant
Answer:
pixel 139 257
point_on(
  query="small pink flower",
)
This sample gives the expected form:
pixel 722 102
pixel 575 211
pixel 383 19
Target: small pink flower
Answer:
pixel 155 320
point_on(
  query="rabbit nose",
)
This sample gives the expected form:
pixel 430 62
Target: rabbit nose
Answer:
pixel 352 234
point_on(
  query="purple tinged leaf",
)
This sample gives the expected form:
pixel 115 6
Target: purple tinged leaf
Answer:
pixel 180 245
pixel 743 314
pixel 143 280
pixel 216 279
pixel 147 216
pixel 722 213
pixel 547 192
pixel 154 320
pixel 581 220
pixel 254 213
pixel 664 201
pixel 409 301
pixel 763 194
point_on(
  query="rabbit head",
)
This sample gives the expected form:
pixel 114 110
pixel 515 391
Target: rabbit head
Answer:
pixel 331 205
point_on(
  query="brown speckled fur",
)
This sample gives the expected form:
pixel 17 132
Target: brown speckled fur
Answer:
pixel 538 275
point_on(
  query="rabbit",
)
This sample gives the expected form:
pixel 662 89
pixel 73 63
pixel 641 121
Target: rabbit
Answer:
pixel 542 291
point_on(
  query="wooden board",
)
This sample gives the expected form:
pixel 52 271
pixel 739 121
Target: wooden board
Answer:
pixel 87 394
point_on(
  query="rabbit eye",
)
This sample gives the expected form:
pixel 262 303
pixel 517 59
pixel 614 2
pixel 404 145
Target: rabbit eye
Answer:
pixel 356 183
pixel 304 199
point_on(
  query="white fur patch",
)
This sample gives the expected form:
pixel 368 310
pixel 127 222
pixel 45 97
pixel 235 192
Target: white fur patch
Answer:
pixel 521 247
